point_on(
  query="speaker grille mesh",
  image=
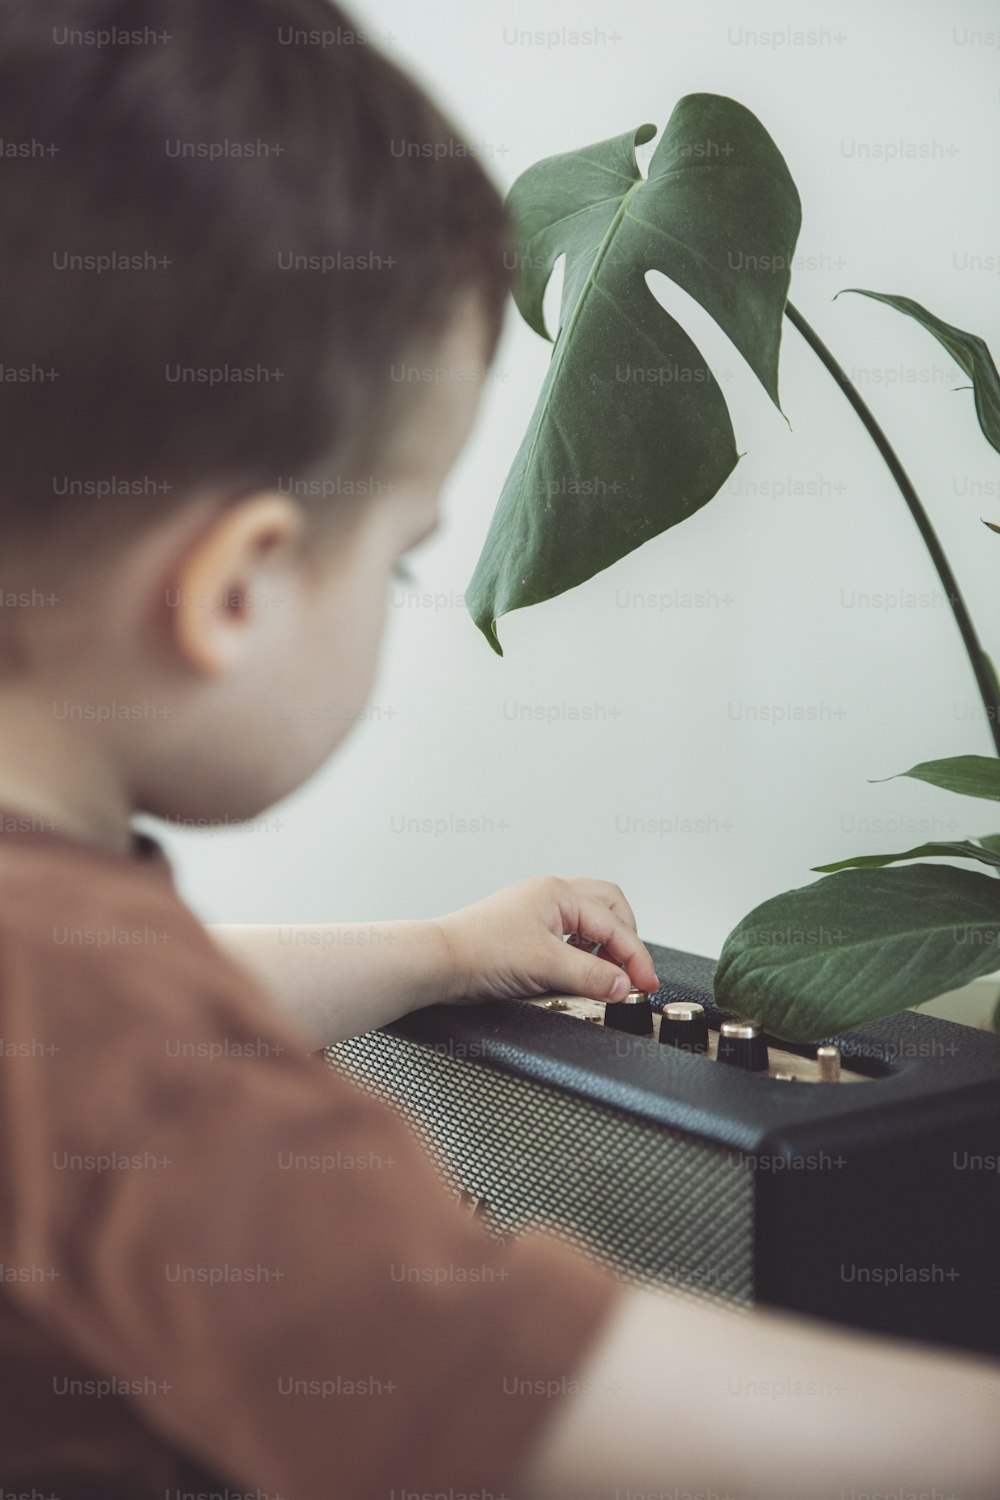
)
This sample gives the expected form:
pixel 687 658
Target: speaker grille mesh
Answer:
pixel 652 1204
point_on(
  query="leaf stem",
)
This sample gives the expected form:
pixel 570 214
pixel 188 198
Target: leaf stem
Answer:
pixel 985 679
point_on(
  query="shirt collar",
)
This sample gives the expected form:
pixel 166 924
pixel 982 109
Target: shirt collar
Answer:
pixel 32 828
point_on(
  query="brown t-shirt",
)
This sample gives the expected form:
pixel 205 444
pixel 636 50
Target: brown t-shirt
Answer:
pixel 224 1268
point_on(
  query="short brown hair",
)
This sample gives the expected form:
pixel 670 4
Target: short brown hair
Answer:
pixel 232 188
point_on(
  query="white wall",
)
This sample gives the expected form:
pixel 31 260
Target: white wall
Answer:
pixel 745 807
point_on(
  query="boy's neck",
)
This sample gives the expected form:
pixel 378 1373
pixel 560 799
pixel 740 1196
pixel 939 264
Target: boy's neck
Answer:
pixel 60 775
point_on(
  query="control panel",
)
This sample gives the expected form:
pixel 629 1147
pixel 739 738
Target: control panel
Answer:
pixel 683 1024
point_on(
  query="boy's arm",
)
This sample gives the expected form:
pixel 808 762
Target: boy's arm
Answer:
pixel 339 980
pixel 678 1398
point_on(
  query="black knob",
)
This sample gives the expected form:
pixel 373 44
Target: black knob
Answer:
pixel 684 1026
pixel 634 1014
pixel 742 1045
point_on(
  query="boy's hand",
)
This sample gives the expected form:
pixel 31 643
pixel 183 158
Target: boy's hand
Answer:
pixel 512 944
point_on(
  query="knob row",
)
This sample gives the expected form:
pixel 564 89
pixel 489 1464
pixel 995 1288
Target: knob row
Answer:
pixel 684 1026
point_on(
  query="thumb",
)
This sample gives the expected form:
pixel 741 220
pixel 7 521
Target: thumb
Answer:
pixel 580 973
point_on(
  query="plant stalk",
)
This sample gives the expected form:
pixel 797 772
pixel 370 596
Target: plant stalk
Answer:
pixel 985 678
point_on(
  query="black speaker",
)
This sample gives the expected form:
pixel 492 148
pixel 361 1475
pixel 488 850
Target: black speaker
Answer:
pixel 872 1199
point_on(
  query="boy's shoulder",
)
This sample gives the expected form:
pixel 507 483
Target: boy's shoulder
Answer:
pixel 101 944
pixel 49 881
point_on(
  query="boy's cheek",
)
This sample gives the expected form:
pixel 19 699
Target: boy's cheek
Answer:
pixel 325 668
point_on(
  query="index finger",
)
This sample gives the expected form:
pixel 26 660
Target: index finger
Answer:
pixel 612 895
pixel 596 923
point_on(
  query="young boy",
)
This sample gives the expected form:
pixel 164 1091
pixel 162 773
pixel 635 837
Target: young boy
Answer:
pixel 211 250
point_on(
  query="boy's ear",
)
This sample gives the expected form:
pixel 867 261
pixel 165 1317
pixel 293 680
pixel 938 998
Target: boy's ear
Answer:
pixel 220 583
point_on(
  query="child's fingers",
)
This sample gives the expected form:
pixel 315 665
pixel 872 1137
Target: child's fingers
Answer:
pixel 593 922
pixel 612 895
pixel 599 950
pixel 574 972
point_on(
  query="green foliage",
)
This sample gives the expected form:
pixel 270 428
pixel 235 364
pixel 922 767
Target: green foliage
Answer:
pixel 970 775
pixel 860 944
pixel 968 350
pixel 957 850
pixel 870 941
pixel 631 433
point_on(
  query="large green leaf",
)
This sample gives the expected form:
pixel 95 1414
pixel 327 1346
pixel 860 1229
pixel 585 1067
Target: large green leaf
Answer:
pixel 864 943
pixel 967 349
pixel 631 433
pixel 969 775
pixel 959 849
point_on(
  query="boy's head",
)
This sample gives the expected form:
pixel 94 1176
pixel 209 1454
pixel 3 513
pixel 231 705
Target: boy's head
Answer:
pixel 232 236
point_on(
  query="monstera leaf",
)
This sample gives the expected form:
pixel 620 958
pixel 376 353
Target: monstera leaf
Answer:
pixel 967 349
pixel 857 945
pixel 631 433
